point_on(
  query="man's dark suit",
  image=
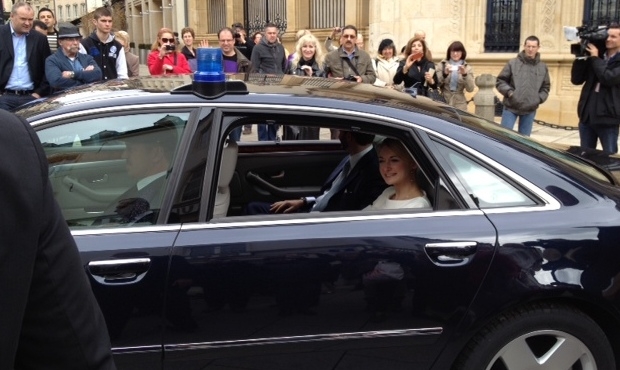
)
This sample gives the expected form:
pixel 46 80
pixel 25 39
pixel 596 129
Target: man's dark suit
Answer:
pixel 49 318
pixel 37 50
pixel 360 188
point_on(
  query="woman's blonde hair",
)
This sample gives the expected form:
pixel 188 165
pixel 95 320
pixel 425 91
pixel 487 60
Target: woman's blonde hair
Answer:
pixel 319 56
pixel 124 36
pixel 156 43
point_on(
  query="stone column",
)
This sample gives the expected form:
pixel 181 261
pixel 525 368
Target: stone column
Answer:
pixel 485 97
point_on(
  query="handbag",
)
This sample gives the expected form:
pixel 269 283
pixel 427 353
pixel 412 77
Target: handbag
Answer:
pixel 436 95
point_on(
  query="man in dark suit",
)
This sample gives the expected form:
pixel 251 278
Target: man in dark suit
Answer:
pixel 22 59
pixel 353 185
pixel 148 153
pixel 49 318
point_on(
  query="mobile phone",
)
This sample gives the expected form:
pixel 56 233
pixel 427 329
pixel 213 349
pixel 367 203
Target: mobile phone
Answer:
pixel 454 68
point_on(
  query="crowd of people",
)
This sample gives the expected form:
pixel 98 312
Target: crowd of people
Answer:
pixel 523 83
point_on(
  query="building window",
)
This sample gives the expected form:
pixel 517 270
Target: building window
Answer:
pixel 503 26
pixel 326 13
pixel 257 13
pixel 69 12
pixel 75 11
pixel 59 12
pixel 601 12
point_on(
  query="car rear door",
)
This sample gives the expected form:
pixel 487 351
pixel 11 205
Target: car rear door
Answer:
pixel 335 290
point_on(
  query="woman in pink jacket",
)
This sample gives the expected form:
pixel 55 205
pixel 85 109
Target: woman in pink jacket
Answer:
pixel 164 57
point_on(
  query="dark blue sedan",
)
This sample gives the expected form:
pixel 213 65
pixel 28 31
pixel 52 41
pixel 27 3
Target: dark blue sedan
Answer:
pixel 516 266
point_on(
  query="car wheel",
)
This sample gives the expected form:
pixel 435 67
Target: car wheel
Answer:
pixel 541 336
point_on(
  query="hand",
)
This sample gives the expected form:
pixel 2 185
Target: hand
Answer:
pixel 163 52
pixel 593 50
pixel 89 68
pixel 335 32
pixel 429 76
pixel 35 95
pixel 168 67
pixel 286 206
pixel 67 74
pixel 204 43
pixel 462 70
pixel 307 69
pixel 241 37
pixel 447 70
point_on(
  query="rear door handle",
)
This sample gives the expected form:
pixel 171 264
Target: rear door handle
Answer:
pixel 451 253
pixel 119 272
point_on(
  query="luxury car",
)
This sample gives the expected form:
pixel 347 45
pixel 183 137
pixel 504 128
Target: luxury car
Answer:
pixel 517 265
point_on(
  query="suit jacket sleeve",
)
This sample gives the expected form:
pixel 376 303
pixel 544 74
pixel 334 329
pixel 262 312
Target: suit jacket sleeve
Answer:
pixel 47 309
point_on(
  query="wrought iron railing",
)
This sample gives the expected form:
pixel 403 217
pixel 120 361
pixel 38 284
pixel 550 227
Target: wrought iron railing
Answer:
pixel 503 26
pixel 601 12
pixel 258 13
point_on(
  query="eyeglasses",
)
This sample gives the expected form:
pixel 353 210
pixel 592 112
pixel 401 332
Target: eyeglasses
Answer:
pixel 164 40
pixel 349 36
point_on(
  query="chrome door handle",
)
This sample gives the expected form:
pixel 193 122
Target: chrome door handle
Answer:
pixel 451 253
pixel 119 272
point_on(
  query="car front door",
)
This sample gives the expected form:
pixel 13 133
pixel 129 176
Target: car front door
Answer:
pixel 331 290
pixel 124 240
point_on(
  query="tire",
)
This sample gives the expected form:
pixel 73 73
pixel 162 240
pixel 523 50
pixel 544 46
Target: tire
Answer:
pixel 539 336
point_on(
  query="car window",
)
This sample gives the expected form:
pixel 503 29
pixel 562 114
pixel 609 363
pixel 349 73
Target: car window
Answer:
pixel 300 168
pixel 483 185
pixel 112 171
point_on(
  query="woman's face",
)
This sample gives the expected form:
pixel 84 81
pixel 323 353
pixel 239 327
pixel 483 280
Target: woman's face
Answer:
pixel 258 37
pixel 387 53
pixel 188 39
pixel 307 50
pixel 47 18
pixel 166 38
pixel 394 169
pixel 456 55
pixel 417 47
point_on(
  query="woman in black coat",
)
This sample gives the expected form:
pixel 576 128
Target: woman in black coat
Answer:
pixel 416 70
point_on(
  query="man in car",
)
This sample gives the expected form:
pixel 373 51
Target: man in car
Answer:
pixel 353 185
pixel 49 318
pixel 598 107
pixel 148 154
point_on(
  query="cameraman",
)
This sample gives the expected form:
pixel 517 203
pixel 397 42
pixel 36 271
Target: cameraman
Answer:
pixel 242 42
pixel 599 103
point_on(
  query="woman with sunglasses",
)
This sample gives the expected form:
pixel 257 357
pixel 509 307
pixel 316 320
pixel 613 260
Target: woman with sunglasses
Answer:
pixel 164 57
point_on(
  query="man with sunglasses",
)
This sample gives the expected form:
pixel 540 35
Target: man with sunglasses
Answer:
pixel 101 45
pixel 349 62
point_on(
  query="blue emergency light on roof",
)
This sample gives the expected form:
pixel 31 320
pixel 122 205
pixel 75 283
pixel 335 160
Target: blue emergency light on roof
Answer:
pixel 209 79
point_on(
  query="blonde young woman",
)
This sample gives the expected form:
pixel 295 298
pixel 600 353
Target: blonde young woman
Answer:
pixel 454 76
pixel 308 59
pixel 386 64
pixel 398 170
pixel 164 57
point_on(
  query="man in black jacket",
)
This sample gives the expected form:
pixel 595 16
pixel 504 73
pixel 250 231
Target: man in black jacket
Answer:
pixel 22 59
pixel 49 318
pixel 599 104
pixel 101 45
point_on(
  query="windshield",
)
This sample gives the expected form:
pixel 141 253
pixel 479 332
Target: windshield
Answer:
pixel 562 156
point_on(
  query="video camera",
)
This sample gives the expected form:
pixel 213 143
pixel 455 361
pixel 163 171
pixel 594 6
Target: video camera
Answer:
pixel 586 34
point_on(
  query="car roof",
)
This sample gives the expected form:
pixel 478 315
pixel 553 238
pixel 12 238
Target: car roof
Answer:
pixel 257 89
